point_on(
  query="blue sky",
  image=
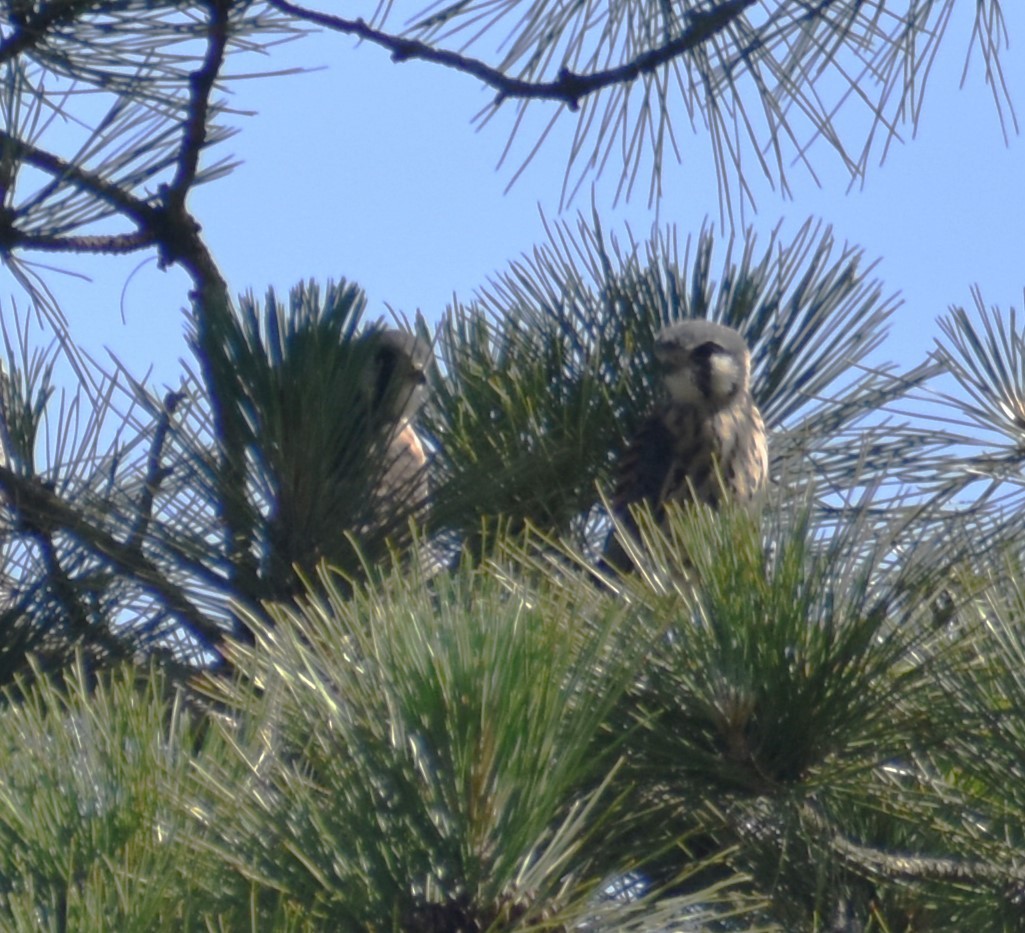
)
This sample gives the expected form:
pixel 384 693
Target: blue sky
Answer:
pixel 372 170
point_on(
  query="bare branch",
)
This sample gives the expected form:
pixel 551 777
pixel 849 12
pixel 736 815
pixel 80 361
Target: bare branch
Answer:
pixel 569 87
pixel 32 28
pixel 140 212
pixel 156 472
pixel 201 84
pixel 45 513
pixel 68 594
pixel 12 238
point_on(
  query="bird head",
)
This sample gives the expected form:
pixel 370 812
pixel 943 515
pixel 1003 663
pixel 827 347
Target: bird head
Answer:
pixel 397 373
pixel 703 363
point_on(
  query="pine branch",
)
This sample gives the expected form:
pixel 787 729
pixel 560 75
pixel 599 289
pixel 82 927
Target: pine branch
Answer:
pixel 40 509
pixel 569 87
pixel 766 829
pixel 913 867
pixel 163 221
pixel 201 85
pixel 33 28
pixel 11 238
pixel 144 214
pixel 156 472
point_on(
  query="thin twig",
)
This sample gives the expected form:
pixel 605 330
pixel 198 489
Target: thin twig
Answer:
pixel 32 27
pixel 142 213
pixel 568 87
pixel 59 580
pixel 156 472
pixel 67 592
pixel 40 509
pixel 116 243
pixel 201 85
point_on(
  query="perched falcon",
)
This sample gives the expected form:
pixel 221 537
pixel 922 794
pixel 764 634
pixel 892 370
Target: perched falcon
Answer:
pixel 396 382
pixel 373 478
pixel 705 438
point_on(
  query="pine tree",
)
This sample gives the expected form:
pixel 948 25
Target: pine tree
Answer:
pixel 239 694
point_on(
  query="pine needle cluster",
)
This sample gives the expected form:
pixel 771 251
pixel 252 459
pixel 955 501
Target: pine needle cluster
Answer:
pixel 805 717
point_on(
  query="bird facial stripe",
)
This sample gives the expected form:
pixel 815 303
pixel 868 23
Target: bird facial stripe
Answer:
pixel 706 350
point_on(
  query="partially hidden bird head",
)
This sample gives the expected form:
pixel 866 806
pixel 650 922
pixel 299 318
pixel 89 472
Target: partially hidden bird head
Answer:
pixel 397 374
pixel 703 363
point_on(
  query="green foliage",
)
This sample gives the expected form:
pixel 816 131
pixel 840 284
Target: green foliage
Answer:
pixel 807 719
pixel 547 374
pixel 297 382
pixel 88 830
pixel 424 753
pixel 395 760
pixel 985 356
pixel 757 739
pixel 779 668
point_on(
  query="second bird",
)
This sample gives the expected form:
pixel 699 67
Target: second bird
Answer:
pixel 705 440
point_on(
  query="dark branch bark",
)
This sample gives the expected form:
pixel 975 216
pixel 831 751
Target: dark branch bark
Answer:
pixel 156 472
pixel 144 214
pixel 212 306
pixel 33 27
pixel 115 243
pixel 61 583
pixel 68 593
pixel 201 85
pixel 45 513
pixel 569 87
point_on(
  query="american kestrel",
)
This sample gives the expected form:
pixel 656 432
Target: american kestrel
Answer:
pixel 396 382
pixel 705 438
pixel 376 463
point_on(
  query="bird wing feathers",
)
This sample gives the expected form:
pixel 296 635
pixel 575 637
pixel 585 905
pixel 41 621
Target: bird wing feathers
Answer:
pixel 643 469
pixel 680 454
pixel 644 465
